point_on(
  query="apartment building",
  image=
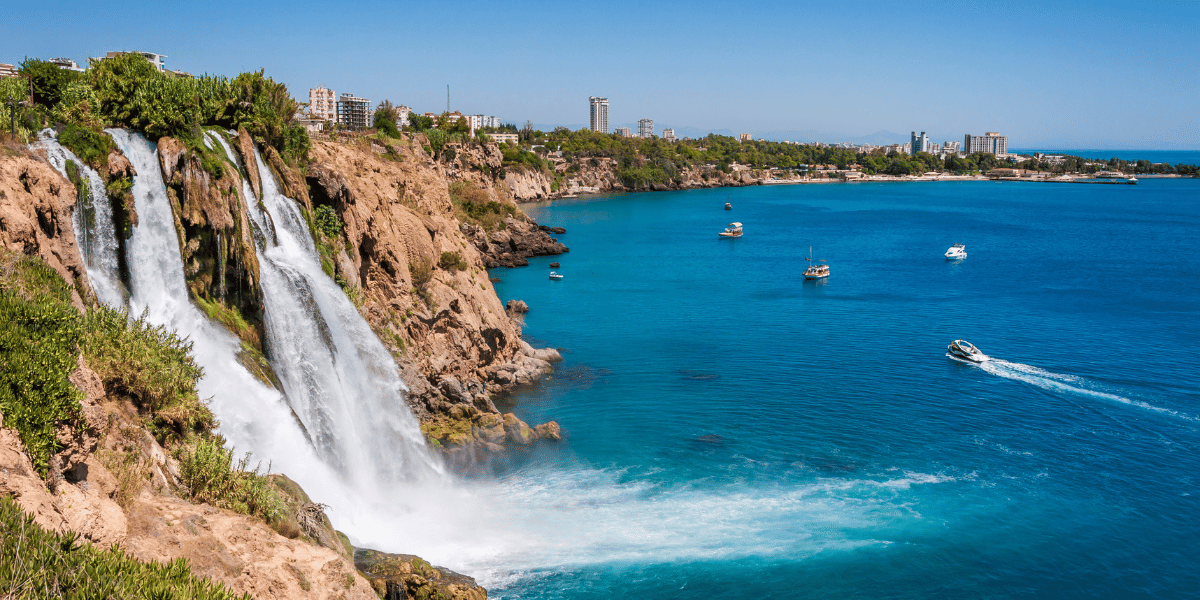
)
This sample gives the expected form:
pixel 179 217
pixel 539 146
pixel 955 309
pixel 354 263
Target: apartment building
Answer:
pixel 669 135
pixel 7 70
pixel 991 142
pixel 599 113
pixel 745 137
pixel 645 128
pixel 919 143
pixel 322 103
pixel 623 132
pixel 354 112
pixel 155 59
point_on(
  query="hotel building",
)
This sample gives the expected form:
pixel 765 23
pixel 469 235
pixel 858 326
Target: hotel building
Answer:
pixel 599 113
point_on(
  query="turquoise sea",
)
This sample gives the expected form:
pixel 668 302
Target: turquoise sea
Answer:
pixel 734 431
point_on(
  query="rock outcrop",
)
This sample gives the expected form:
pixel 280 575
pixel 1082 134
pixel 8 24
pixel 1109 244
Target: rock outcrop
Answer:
pixel 424 285
pixel 36 204
pixel 401 576
pixel 512 246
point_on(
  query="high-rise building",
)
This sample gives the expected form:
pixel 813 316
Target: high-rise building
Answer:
pixel 920 143
pixel 322 103
pixel 669 135
pixel 623 132
pixel 354 112
pixel 645 128
pixel 991 142
pixel 599 114
pixel 746 138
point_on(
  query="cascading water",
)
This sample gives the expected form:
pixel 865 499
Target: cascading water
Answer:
pixel 253 415
pixel 339 379
pixel 93 224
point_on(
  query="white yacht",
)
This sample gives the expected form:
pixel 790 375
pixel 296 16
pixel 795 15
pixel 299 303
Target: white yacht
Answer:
pixel 962 350
pixel 956 252
pixel 555 276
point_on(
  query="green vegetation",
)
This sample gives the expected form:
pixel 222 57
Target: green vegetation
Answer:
pixel 326 221
pixel 452 261
pixel 385 119
pixel 472 205
pixel 518 159
pixel 39 336
pixel 211 474
pixel 36 563
pixel 151 366
pixel 128 91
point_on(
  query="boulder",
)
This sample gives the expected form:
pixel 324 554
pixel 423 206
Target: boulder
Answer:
pixel 557 230
pixel 553 265
pixel 516 306
pixel 549 431
pixel 408 576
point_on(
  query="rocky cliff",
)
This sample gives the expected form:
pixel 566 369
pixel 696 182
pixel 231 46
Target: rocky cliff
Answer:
pixel 600 175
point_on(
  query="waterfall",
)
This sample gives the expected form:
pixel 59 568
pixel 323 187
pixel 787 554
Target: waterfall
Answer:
pixel 340 381
pixel 254 417
pixel 92 220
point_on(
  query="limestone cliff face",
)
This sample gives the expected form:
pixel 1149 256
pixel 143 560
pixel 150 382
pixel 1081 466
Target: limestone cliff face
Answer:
pixel 424 285
pixel 600 176
pixel 36 205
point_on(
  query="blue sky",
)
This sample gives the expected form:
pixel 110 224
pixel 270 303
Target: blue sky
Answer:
pixel 1047 74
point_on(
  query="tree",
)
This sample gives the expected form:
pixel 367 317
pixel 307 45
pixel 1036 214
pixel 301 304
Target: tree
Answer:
pixel 48 81
pixel 385 119
pixel 418 122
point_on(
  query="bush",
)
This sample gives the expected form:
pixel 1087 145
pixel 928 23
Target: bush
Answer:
pixel 210 474
pixel 327 222
pixel 92 146
pixel 36 563
pixel 39 339
pixel 151 366
pixel 49 81
pixel 472 205
pixel 452 261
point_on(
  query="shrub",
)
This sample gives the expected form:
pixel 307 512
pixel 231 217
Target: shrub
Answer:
pixel 48 81
pixel 36 563
pixel 422 272
pixel 92 146
pixel 39 340
pixel 472 205
pixel 327 222
pixel 150 365
pixel 452 261
pixel 210 474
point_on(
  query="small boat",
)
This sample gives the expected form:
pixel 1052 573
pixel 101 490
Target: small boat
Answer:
pixel 818 270
pixel 964 351
pixel 728 206
pixel 956 252
pixel 555 276
pixel 733 230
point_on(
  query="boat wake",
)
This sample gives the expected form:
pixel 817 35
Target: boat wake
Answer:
pixel 1069 384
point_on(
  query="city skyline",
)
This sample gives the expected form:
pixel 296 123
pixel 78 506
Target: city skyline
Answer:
pixel 1068 75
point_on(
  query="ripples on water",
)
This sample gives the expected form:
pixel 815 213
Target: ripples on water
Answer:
pixel 737 432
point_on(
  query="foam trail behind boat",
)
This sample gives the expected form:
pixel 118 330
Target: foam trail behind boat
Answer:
pixel 1070 384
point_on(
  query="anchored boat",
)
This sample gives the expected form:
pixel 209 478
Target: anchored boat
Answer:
pixel 818 270
pixel 733 230
pixel 555 276
pixel 956 252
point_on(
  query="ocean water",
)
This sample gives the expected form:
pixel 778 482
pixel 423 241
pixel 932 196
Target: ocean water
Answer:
pixel 1175 157
pixel 733 431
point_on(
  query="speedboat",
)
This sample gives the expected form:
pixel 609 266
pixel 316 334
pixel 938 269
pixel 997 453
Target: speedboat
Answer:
pixel 817 270
pixel 956 252
pixel 733 230
pixel 555 276
pixel 966 352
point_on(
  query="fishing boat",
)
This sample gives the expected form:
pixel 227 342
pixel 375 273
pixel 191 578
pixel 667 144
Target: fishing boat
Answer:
pixel 733 230
pixel 962 350
pixel 815 270
pixel 728 206
pixel 555 276
pixel 956 252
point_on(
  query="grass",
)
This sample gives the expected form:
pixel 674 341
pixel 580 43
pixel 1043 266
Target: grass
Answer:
pixel 231 319
pixel 36 563
pixel 472 205
pixel 211 474
pixel 151 366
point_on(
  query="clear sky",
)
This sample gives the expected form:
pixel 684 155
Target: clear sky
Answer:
pixel 1047 74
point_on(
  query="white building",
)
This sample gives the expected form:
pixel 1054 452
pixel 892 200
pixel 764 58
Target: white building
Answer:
pixel 155 59
pixel 500 138
pixel 322 103
pixel 623 132
pixel 599 114
pixel 66 64
pixel 402 113
pixel 645 128
pixel 991 142
pixel 354 112
pixel 491 121
pixel 669 135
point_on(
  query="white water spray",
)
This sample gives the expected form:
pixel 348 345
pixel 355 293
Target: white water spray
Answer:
pixel 93 223
pixel 1069 384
